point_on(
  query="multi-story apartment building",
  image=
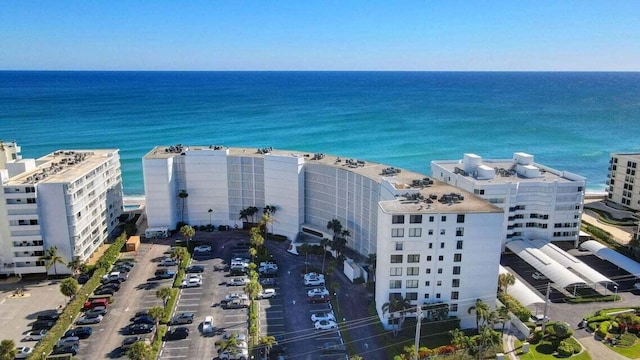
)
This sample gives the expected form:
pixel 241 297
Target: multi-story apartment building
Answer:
pixel 621 180
pixel 9 151
pixel 539 202
pixel 432 240
pixel 69 199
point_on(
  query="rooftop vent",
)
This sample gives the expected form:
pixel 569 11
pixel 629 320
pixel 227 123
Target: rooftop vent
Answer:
pixel 318 156
pixel 421 182
pixel 175 149
pixel 505 172
pixel 390 171
pixel 265 150
pixel 216 147
pixel 451 198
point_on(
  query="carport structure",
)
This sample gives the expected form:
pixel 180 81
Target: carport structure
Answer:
pixel 555 272
pixel 629 265
pixel 571 262
pixel 521 292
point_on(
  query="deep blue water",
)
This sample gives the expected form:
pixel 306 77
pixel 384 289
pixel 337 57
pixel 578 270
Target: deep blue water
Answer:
pixel 569 121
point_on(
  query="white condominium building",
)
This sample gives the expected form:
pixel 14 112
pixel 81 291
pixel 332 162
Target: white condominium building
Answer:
pixel 539 202
pixel 621 180
pixel 434 242
pixel 70 199
pixel 9 151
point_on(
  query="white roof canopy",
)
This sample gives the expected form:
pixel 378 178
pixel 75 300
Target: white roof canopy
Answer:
pixel 543 263
pixel 571 262
pixel 605 253
pixel 521 292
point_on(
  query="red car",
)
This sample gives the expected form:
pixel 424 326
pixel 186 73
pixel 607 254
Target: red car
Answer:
pixel 96 302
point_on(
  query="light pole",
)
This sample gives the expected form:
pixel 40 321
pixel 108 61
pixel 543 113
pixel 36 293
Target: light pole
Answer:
pixel 615 294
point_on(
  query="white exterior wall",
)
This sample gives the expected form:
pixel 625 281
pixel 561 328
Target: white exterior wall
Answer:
pixel 160 192
pixel 480 257
pixel 206 186
pixel 624 180
pixel 284 189
pixel 55 225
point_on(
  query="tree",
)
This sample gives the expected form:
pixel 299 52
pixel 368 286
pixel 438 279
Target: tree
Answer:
pixel 156 313
pixel 323 243
pixel 487 337
pixel 76 265
pixel 180 253
pixel 140 350
pixel 253 288
pixel 338 245
pixel 252 211
pixel 502 315
pixel 372 261
pixel 188 232
pixel 267 342
pixel 210 211
pixel 255 237
pixel 396 308
pixel 264 222
pixel 69 287
pixel 461 341
pixel 164 293
pixel 305 249
pixel 183 195
pixel 270 209
pixel 8 350
pixel 232 344
pixel 625 320
pixel 482 311
pixel 244 215
pixel 51 257
pixel 335 226
pixel 506 280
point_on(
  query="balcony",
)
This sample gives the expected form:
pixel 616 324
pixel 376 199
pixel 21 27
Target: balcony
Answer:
pixel 27 249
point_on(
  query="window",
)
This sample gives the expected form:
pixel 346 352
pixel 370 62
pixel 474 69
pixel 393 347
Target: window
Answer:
pixel 457 257
pixel 395 271
pixel 415 219
pixel 395 284
pixel 397 219
pixel 441 245
pixel 399 245
pixel 443 231
pixel 430 245
pixel 443 218
pixel 455 283
pixel 459 244
pixel 456 270
pixel 428 270
pixel 412 284
pixel 439 283
pixel 478 191
pixel 453 308
pixel 426 296
pixel 427 283
pixel 455 295
pixel 411 296
pixel 397 232
pixel 460 218
pixel 459 231
pixel 413 258
pixel 439 270
pixel 396 259
pixel 438 296
pixel 428 257
pixel 430 218
pixel 430 231
pixel 441 258
pixel 395 296
pixel 415 232
pixel 414 270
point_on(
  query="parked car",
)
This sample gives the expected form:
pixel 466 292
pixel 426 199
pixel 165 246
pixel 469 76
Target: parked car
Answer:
pixel 332 347
pixel 81 332
pixel 83 278
pixel 191 282
pixel 130 340
pixel 207 325
pixel 267 293
pixel 168 262
pixel 539 319
pixel 135 329
pixel 316 299
pixel 238 281
pixel 98 310
pixel 313 279
pixel 50 315
pixel 202 248
pixel 538 276
pixel 42 325
pixel 115 276
pixel 325 325
pixel 322 316
pixel 165 274
pixel 140 313
pixel 68 349
pixel 322 291
pixel 121 268
pixel 104 291
pixel 177 333
pixel 36 335
pixel 90 304
pixel 23 352
pixel 86 320
pixel 266 281
pixel 195 269
pixel 233 296
pixel 71 340
pixel 182 318
pixel 237 353
pixel 235 304
pixel 144 320
pixel 240 337
pixel 110 285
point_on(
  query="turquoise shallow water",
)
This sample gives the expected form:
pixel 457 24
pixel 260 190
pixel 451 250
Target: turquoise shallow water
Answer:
pixel 569 121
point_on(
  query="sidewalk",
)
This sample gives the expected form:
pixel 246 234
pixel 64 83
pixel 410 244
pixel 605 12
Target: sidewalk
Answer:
pixel 508 343
pixel 620 235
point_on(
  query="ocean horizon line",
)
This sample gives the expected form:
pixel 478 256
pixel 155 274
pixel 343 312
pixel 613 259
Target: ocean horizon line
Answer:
pixel 326 71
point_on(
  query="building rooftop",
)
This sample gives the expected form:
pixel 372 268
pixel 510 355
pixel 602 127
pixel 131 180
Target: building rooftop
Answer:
pixel 416 192
pixel 61 166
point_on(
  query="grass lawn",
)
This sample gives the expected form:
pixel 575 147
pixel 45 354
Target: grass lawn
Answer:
pixel 632 352
pixel 542 351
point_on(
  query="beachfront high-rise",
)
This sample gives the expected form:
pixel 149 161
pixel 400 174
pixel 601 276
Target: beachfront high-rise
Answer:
pixel 70 199
pixel 539 202
pixel 431 239
pixel 623 176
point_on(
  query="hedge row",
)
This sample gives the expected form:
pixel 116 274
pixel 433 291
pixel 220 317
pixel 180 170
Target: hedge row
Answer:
pixel 45 346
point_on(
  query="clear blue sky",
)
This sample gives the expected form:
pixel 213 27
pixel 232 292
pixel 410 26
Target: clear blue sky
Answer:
pixel 320 35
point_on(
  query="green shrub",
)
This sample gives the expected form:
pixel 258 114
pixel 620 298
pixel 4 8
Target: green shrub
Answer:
pixel 593 326
pixel 627 340
pixel 536 337
pixel 603 329
pixel 574 344
pixel 598 318
pixel 565 349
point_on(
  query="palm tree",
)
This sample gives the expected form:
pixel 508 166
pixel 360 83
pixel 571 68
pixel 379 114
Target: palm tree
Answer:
pixel 396 306
pixel 506 280
pixel 265 220
pixel 460 340
pixel 255 237
pixel 140 350
pixel 183 195
pixel 372 261
pixel 502 315
pixel 252 210
pixel 267 342
pixel 232 345
pixel 164 293
pixel 305 249
pixel 335 226
pixel 270 209
pixel 244 214
pixel 52 258
pixel 156 313
pixel 75 265
pixel 338 244
pixel 210 211
pixel 482 310
pixel 69 287
pixel 487 337
pixel 188 232
pixel 180 253
pixel 253 288
pixel 323 243
pixel 8 350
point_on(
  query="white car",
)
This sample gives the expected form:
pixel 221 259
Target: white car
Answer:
pixel 238 353
pixel 35 335
pixel 23 352
pixel 322 316
pixel 194 276
pixel 191 282
pixel 322 291
pixel 538 276
pixel 240 337
pixel 238 282
pixel 202 248
pixel 313 279
pixel 207 325
pixel 233 296
pixel 267 294
pixel 87 320
pixel 325 325
pixel 168 262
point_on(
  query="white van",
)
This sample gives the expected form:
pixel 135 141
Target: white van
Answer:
pixel 157 232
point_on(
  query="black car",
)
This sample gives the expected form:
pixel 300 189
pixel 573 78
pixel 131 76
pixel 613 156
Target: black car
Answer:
pixel 114 285
pixel 51 315
pixel 139 329
pixel 144 320
pixel 83 278
pixel 104 291
pixel 127 263
pixel 65 349
pixel 81 332
pixel 125 269
pixel 42 325
pixel 126 343
pixel 195 269
pixel 177 333
pixel 140 313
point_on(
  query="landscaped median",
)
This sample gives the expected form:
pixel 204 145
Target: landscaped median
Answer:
pixel 618 328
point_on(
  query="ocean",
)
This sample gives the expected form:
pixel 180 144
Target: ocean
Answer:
pixel 569 121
